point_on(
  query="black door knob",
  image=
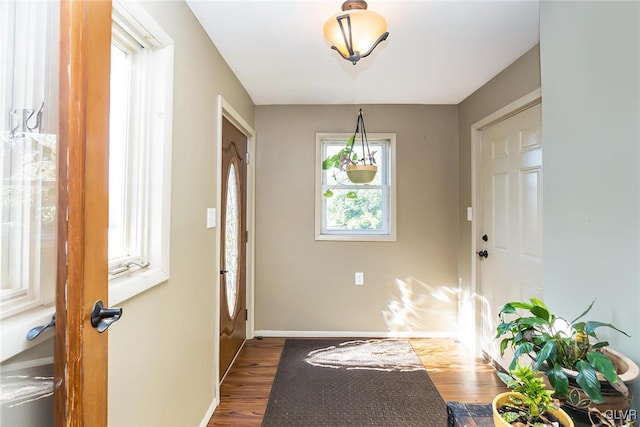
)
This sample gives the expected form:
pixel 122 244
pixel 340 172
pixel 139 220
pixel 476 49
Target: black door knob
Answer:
pixel 102 317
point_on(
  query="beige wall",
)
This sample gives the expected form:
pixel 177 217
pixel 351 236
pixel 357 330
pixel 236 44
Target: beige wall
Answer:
pixel 307 285
pixel 515 81
pixel 590 57
pixel 161 354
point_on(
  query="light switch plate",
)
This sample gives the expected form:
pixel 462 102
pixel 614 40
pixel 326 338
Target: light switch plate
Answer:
pixel 211 217
pixel 359 279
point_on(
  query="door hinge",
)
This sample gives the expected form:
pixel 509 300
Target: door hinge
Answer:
pixel 248 158
pixel 246 314
pixel 246 236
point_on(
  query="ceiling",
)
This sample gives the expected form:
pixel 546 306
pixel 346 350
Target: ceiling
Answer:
pixel 438 52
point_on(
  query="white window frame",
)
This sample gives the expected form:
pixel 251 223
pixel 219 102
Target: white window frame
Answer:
pixel 36 306
pixel 28 81
pixel 389 196
pixel 150 220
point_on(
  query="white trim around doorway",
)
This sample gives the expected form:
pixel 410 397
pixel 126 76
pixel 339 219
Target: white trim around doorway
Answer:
pixel 528 100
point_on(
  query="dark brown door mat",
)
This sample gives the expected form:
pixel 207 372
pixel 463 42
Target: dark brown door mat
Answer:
pixel 337 383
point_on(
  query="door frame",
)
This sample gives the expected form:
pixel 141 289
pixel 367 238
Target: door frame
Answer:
pixel 80 352
pixel 477 129
pixel 227 111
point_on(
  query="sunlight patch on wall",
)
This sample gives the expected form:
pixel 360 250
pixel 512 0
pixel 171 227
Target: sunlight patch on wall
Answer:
pixel 419 307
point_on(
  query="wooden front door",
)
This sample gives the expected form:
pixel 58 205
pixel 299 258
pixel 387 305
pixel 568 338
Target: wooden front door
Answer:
pixel 511 224
pixel 80 357
pixel 233 313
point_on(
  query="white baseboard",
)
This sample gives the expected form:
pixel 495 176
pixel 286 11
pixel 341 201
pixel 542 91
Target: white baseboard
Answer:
pixel 209 413
pixel 352 334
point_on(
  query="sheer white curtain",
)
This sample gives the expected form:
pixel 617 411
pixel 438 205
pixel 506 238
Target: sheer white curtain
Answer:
pixel 28 117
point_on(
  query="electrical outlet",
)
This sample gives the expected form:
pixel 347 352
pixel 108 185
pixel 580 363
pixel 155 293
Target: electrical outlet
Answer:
pixel 359 280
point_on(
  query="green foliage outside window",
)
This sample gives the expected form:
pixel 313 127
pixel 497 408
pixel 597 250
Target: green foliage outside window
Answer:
pixel 361 213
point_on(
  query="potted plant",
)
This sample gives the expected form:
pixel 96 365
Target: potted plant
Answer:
pixel 529 404
pixel 583 371
pixel 360 170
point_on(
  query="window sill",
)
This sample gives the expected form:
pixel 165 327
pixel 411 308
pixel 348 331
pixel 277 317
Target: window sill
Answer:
pixel 14 329
pixel 125 287
pixel 356 238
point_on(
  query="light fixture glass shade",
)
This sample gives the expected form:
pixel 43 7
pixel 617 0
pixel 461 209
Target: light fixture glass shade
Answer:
pixel 366 29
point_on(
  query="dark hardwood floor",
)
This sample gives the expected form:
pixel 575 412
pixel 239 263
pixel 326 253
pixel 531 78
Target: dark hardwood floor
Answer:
pixel 457 374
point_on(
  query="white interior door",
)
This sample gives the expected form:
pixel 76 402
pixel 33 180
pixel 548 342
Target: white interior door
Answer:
pixel 511 219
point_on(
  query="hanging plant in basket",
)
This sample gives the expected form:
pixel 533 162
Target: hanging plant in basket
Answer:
pixel 358 164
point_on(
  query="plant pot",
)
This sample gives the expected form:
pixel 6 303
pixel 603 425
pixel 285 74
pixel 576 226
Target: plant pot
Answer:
pixel 578 403
pixel 502 398
pixel 361 174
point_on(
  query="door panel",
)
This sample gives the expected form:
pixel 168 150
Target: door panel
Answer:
pixel 233 245
pixel 80 351
pixel 511 218
pixel 531 190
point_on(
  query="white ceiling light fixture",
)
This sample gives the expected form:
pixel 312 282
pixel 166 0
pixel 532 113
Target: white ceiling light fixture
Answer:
pixel 355 31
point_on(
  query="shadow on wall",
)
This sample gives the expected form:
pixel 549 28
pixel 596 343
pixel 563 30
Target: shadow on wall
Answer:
pixel 420 307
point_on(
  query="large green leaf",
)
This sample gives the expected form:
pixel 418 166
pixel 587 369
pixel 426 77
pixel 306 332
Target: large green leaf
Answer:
pixel 541 312
pixel 511 307
pixel 502 329
pixel 602 364
pixel 518 337
pixel 507 379
pixel 600 344
pixel 579 327
pixel 545 353
pixel 513 363
pixel 591 326
pixel 532 321
pixel 503 346
pixel 539 303
pixel 558 380
pixel 523 348
pixel 588 381
pixel 508 308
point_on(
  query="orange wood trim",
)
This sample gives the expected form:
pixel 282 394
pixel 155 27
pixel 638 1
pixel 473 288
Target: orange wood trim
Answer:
pixel 60 394
pixel 81 353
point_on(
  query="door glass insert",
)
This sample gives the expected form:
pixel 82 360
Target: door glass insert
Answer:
pixel 231 231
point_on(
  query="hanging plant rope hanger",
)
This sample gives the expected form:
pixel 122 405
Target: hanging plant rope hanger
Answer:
pixel 358 170
pixel 363 139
